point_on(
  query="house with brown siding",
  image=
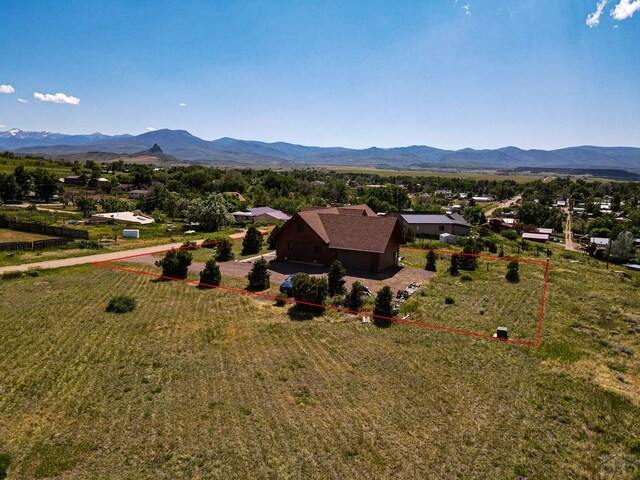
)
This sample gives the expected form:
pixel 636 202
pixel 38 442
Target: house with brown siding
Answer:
pixel 355 235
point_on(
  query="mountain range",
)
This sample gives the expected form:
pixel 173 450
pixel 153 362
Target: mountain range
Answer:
pixel 229 151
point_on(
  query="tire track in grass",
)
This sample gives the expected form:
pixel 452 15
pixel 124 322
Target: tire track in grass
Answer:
pixel 284 414
pixel 327 417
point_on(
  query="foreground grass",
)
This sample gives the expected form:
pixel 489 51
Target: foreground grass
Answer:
pixel 208 384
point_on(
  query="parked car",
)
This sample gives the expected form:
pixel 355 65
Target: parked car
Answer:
pixel 189 232
pixel 287 285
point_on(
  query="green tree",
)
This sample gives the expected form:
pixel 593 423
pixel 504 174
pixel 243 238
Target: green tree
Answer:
pixel 45 184
pixel 431 261
pixel 513 275
pixel 86 206
pixel 211 212
pixel 252 241
pixel 468 261
pixel 335 278
pixel 175 263
pixel 225 250
pixel 474 215
pixel 454 267
pixel 9 188
pixel 622 247
pixel 354 300
pixel 307 289
pixel 23 179
pixel 210 275
pixel 336 191
pixel 259 276
pixel 383 307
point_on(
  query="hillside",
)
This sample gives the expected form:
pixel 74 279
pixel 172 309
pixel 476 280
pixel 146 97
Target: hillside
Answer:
pixel 185 146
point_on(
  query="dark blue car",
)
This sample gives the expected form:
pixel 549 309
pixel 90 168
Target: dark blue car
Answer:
pixel 287 285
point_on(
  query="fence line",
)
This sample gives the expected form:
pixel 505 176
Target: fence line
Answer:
pixel 32 227
pixel 35 245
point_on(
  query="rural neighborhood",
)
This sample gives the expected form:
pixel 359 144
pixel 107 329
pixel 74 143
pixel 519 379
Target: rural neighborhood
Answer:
pixel 320 240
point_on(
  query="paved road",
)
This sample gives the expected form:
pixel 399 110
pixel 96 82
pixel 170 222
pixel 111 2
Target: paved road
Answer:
pixel 102 257
pixel 505 204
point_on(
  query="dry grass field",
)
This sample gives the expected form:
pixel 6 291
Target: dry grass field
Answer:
pixel 14 236
pixel 210 384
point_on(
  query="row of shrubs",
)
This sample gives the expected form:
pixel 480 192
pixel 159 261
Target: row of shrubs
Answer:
pixel 14 275
pixel 467 261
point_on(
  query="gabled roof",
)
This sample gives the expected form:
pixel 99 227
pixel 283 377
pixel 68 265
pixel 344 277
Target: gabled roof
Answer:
pixel 361 233
pixel 355 227
pixel 277 214
pixel 435 219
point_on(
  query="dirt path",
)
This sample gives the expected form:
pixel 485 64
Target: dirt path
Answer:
pixel 568 235
pixel 505 204
pixel 42 209
pixel 102 257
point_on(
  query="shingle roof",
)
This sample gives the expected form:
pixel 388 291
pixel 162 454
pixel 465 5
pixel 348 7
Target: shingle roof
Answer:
pixel 355 227
pixel 435 219
pixel 361 233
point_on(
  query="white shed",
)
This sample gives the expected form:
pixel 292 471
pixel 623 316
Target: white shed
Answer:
pixel 447 238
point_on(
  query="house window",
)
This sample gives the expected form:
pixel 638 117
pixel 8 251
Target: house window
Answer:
pixel 316 250
pixel 417 228
pixel 300 227
pixel 290 246
pixel 441 228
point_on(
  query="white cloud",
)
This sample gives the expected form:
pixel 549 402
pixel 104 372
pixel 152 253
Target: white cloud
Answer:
pixel 466 9
pixel 183 104
pixel 7 89
pixel 56 98
pixel 2 126
pixel 625 9
pixel 151 129
pixel 23 100
pixel 593 19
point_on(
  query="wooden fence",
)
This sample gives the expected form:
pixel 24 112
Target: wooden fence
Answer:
pixel 32 227
pixel 35 245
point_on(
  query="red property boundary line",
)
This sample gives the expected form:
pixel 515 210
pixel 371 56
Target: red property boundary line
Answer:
pixel 103 264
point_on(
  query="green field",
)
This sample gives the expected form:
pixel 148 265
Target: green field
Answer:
pixel 8 165
pixel 210 384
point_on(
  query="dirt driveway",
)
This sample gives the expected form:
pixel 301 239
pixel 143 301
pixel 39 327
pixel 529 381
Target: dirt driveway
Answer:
pixel 397 278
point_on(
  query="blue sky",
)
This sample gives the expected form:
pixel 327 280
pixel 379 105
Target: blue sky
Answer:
pixel 471 73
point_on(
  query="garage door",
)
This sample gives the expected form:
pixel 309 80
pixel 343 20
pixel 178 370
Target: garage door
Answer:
pixel 359 261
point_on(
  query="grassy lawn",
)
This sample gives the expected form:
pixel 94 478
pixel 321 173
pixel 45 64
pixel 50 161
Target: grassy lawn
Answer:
pixel 14 236
pixel 209 384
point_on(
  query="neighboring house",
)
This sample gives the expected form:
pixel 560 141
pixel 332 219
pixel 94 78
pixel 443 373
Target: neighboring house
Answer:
pixel 548 231
pixel 433 224
pixel 75 180
pixel 498 224
pixel 355 235
pixel 480 199
pixel 135 194
pixel 536 237
pixel 135 217
pixel 599 241
pixel 261 214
